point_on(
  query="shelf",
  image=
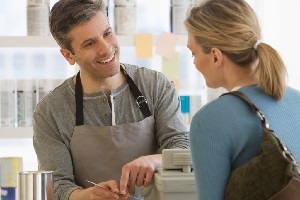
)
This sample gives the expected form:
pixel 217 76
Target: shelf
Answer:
pixel 48 41
pixel 27 41
pixel 16 132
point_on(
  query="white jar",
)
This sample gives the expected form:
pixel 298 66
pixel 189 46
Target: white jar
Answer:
pixel 7 103
pixel 125 17
pixel 179 10
pixel 37 17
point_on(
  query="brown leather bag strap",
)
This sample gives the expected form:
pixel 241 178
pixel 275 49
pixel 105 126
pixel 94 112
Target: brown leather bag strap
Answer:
pixel 265 125
pixel 246 99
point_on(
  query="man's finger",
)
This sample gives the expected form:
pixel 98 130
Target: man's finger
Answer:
pixel 124 180
pixel 148 178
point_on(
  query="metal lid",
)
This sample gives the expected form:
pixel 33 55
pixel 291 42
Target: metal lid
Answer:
pixel 182 2
pixel 125 2
pixel 38 2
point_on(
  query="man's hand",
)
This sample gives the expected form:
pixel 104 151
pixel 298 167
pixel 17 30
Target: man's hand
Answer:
pixel 106 190
pixel 101 191
pixel 139 172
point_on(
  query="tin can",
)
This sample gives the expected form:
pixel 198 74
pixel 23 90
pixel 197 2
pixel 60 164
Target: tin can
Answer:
pixel 35 185
pixel 37 19
pixel 179 10
pixel 125 17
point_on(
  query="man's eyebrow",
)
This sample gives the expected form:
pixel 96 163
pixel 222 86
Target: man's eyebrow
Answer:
pixel 86 41
pixel 108 29
pixel 89 39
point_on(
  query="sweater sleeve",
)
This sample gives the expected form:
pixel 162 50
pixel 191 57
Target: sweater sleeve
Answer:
pixel 171 129
pixel 52 152
pixel 210 161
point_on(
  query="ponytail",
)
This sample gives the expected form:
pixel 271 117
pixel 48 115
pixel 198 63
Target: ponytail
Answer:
pixel 272 71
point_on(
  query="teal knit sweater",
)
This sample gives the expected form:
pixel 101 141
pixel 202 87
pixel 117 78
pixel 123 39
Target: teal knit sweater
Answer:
pixel 226 133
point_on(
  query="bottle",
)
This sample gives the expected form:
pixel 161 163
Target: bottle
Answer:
pixel 179 10
pixel 125 17
pixel 37 17
pixel 185 108
pixel 26 101
pixel 7 103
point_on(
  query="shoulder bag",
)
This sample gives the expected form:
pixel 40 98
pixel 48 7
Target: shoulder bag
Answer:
pixel 273 174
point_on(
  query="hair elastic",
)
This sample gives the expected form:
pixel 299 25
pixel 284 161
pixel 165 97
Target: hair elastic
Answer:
pixel 256 44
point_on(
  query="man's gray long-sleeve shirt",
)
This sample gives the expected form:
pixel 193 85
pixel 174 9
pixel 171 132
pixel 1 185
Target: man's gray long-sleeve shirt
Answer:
pixel 54 120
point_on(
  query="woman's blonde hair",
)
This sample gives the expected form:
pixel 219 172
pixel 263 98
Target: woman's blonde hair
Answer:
pixel 232 27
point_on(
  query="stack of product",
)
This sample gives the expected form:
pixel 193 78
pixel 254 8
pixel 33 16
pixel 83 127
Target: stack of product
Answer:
pixel 37 17
pixel 125 17
pixel 179 9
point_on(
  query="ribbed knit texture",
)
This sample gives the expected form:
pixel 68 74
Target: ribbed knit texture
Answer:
pixel 226 134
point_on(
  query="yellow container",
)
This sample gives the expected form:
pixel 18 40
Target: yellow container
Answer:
pixel 9 168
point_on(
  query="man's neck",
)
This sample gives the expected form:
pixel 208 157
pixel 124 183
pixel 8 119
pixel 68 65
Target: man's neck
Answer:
pixel 91 86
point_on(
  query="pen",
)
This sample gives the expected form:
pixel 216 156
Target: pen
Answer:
pixel 104 188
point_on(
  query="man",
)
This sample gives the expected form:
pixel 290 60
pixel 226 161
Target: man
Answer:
pixel 110 122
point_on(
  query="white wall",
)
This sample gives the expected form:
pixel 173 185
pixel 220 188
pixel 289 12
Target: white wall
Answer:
pixel 281 30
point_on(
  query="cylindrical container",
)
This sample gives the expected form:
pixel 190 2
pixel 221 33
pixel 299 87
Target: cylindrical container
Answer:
pixel 125 17
pixel 7 103
pixel 35 185
pixel 37 17
pixel 26 101
pixel 9 168
pixel 179 10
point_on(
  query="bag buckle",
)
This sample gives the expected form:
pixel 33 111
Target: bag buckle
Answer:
pixel 142 100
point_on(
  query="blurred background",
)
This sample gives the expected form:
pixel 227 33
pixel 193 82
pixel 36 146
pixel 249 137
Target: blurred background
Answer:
pixel 35 61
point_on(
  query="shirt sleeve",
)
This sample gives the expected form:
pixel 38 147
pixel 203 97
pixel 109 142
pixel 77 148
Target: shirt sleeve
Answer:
pixel 52 152
pixel 171 130
pixel 210 162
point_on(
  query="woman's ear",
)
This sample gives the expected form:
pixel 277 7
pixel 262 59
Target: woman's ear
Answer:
pixel 68 56
pixel 218 56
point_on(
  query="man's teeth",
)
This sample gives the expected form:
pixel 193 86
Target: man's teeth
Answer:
pixel 109 59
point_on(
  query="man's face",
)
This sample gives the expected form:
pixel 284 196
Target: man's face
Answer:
pixel 96 49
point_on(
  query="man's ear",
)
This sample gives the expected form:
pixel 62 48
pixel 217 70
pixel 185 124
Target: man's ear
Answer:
pixel 218 56
pixel 68 56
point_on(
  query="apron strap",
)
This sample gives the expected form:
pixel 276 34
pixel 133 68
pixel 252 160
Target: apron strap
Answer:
pixel 140 99
pixel 79 100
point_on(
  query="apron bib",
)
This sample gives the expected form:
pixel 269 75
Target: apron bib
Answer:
pixel 100 152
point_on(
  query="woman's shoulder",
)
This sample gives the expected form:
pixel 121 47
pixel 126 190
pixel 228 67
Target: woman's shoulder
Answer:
pixel 225 105
pixel 225 112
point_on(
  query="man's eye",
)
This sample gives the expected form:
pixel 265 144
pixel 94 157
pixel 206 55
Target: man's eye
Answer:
pixel 107 33
pixel 89 43
pixel 193 55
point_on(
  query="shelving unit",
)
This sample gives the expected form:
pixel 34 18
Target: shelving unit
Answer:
pixel 48 41
pixel 16 132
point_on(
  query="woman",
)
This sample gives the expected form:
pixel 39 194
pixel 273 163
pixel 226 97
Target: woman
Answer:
pixel 224 38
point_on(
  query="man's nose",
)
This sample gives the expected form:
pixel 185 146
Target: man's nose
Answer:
pixel 104 47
